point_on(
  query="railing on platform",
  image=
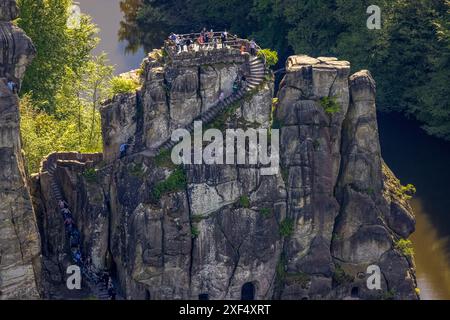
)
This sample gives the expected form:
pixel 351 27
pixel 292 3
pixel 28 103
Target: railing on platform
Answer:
pixel 214 43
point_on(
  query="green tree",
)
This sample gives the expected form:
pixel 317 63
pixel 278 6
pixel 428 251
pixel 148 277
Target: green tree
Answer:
pixel 313 26
pixel 59 48
pixel 75 124
pixel 434 105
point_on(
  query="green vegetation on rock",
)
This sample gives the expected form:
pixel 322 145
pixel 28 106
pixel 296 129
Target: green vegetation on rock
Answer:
pixel 330 105
pixel 405 246
pixel 164 159
pixel 90 175
pixel 270 56
pixel 136 170
pixel 407 191
pixel 175 182
pixel 266 212
pixel 286 227
pixel 122 85
pixel 195 232
pixel 340 276
pixel 244 201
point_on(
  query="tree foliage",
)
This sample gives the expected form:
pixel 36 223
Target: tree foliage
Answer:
pixel 409 56
pixel 65 84
pixel 59 48
pixel 75 125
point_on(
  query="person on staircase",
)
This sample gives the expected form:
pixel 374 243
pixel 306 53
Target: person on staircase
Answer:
pixel 74 238
pixel 111 289
pixel 12 86
pixel 65 212
pixel 123 150
pixel 62 204
pixel 76 255
pixel 68 223
pixel 243 49
pixel 236 86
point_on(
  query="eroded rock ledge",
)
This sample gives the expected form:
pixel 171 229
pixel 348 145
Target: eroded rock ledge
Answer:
pixel 19 237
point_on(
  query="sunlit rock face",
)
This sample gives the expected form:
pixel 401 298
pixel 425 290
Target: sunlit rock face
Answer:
pixel 344 220
pixel 308 232
pixel 19 237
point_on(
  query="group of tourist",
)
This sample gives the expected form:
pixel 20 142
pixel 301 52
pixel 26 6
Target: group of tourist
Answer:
pixel 73 233
pixel 208 40
pixel 75 245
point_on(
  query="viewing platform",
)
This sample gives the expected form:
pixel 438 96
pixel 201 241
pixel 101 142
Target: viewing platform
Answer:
pixel 191 47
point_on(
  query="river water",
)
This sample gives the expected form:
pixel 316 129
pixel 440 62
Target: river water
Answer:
pixel 414 157
pixel 107 15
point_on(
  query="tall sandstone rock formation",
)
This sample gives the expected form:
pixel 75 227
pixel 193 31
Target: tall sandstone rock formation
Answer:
pixel 345 215
pixel 309 232
pixel 19 237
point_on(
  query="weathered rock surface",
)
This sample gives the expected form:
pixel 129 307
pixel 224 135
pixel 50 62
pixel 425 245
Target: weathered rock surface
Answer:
pixel 223 231
pixel 19 237
pixel 8 10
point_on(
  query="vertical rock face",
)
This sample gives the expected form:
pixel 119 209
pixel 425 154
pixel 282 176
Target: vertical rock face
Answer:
pixel 8 10
pixel 198 240
pixel 310 151
pixel 226 231
pixel 337 193
pixel 19 238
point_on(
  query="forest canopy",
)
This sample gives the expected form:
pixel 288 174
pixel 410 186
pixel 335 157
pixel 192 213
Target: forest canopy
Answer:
pixel 408 56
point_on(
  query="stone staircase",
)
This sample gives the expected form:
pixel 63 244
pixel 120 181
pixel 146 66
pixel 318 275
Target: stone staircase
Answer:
pixel 253 80
pixel 97 286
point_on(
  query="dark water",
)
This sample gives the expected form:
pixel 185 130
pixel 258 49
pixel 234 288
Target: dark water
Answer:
pixel 414 157
pixel 423 161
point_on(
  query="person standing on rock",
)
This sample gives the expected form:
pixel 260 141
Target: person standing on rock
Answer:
pixel 200 42
pixel 12 86
pixel 253 47
pixel 224 38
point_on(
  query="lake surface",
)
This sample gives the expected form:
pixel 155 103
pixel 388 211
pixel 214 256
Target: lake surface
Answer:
pixel 107 15
pixel 414 157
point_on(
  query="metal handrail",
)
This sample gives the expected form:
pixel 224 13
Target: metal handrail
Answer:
pixel 235 43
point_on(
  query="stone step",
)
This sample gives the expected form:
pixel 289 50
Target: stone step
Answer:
pixel 254 83
pixel 257 68
pixel 255 78
pixel 260 72
pixel 255 60
pixel 256 64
